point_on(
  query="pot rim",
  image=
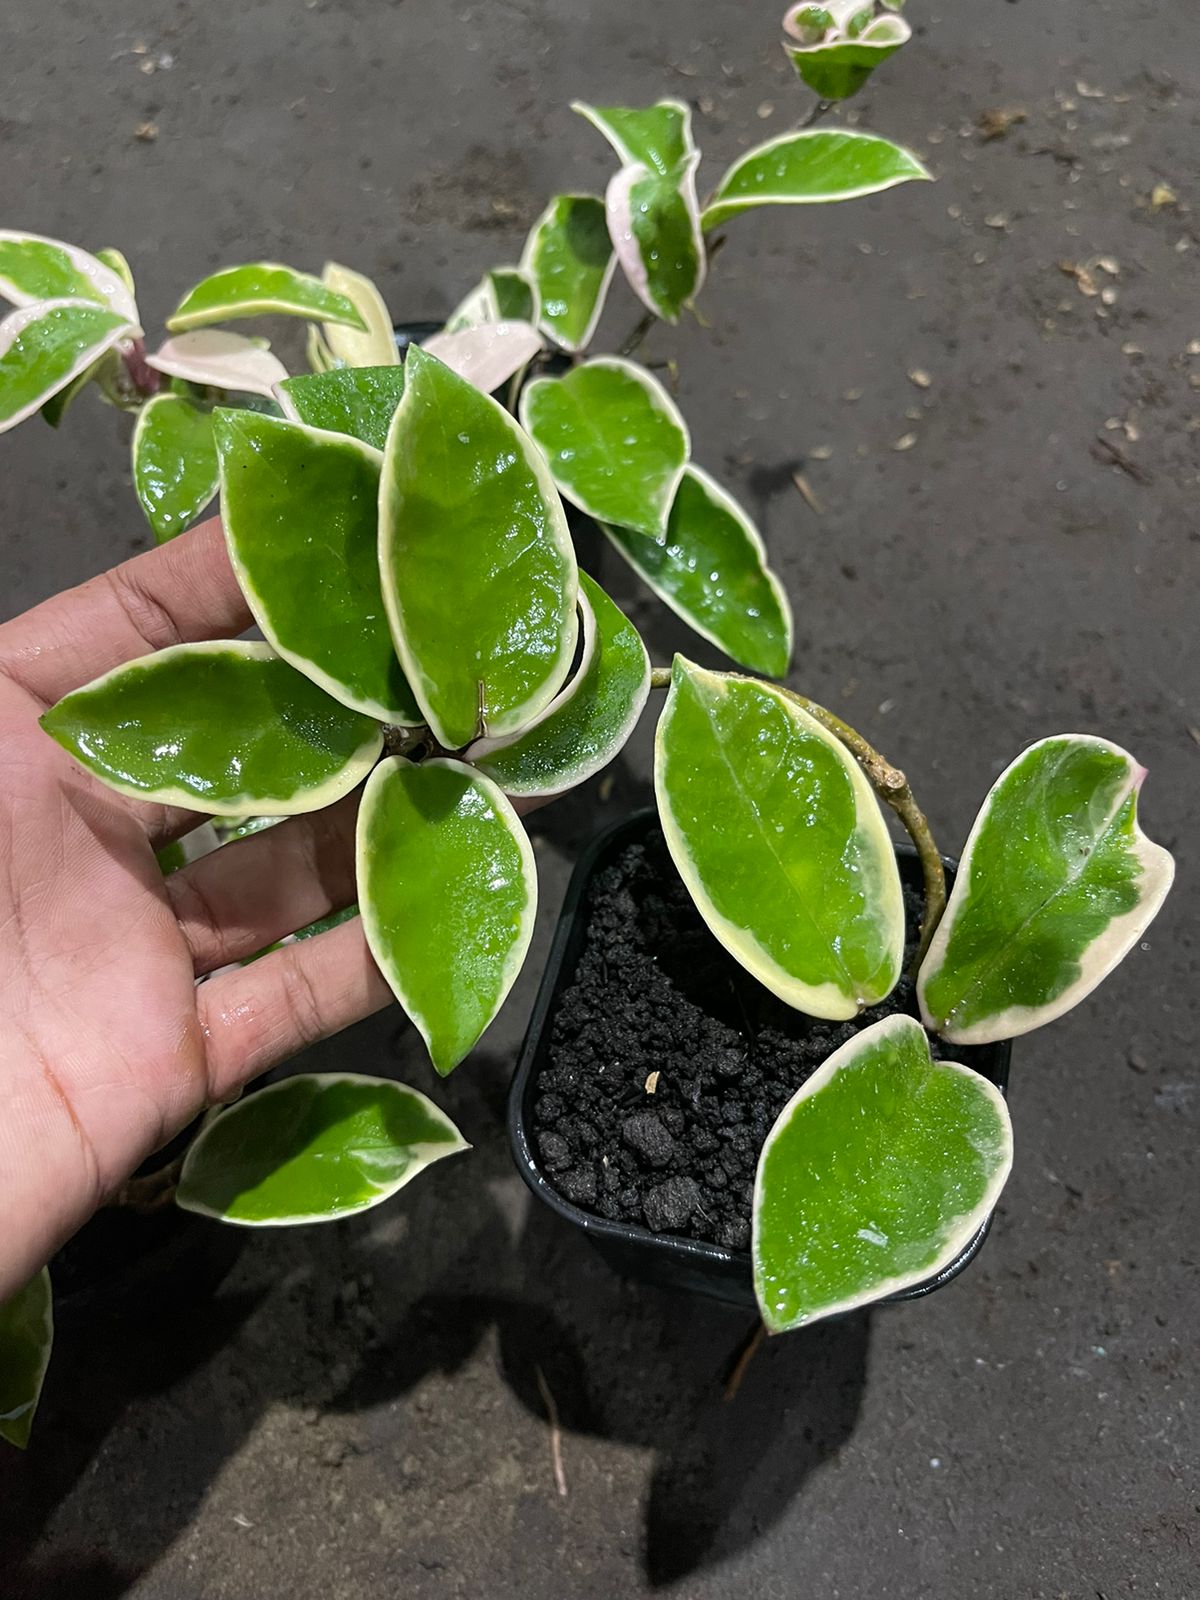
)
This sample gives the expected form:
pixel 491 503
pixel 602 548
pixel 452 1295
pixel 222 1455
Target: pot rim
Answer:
pixel 697 1251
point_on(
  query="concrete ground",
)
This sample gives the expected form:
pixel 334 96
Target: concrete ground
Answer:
pixel 358 1410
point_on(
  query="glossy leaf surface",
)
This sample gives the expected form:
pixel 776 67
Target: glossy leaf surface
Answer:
pixel 43 347
pixel 33 268
pixel 488 355
pixel 657 136
pixel 811 167
pixel 258 288
pixel 216 358
pixel 174 463
pixel 228 728
pixel 506 294
pixel 711 569
pixel 313 1148
pixel 588 723
pixel 375 344
pixel 654 224
pixel 614 438
pixel 448 892
pixel 570 258
pixel 360 401
pixel 478 568
pixel 26 1335
pixel 877 1174
pixel 835 61
pixel 1057 884
pixel 780 842
pixel 301 514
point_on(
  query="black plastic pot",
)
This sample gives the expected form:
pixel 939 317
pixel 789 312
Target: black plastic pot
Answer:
pixel 666 1260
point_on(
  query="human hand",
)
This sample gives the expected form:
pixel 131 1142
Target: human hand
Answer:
pixel 107 1047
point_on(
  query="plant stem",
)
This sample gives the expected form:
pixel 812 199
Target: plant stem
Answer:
pixel 637 333
pixel 892 787
pixel 745 1355
pixel 815 115
pixel 152 1191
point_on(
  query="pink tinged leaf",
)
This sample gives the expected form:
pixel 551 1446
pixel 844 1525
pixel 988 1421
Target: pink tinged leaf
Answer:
pixel 618 207
pixel 220 360
pixel 488 355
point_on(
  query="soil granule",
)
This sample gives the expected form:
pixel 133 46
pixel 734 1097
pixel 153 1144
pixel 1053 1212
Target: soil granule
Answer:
pixel 668 1063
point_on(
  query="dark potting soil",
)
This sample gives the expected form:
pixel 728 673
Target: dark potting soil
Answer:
pixel 656 998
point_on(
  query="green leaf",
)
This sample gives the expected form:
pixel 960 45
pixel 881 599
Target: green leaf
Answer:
pixel 712 571
pixel 258 288
pixel 878 1173
pixel 506 294
pixel 376 347
pixel 225 727
pixel 44 347
pixel 55 409
pixel 360 401
pixel 654 224
pixel 26 1335
pixel 779 841
pixel 515 295
pixel 810 168
pixel 113 259
pixel 570 258
pixel 216 358
pixel 836 48
pixel 174 463
pixel 33 269
pixel 479 573
pixel 301 514
pixel 614 438
pixel 838 69
pixel 448 893
pixel 589 721
pixel 313 1148
pixel 1057 884
pixel 657 136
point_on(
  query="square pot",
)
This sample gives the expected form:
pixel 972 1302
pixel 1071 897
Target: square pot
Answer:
pixel 662 1259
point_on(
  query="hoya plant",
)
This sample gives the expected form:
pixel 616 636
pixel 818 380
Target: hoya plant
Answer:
pixel 398 523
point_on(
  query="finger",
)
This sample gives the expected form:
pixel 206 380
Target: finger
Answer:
pixel 247 894
pixel 259 1015
pixel 183 591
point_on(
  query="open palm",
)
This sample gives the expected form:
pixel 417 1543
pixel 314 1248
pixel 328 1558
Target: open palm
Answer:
pixel 107 1047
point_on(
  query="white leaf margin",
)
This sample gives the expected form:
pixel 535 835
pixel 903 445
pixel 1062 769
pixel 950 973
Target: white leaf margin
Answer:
pixel 420 1163
pixel 719 209
pixel 827 1000
pixel 964 1227
pixel 618 211
pixel 306 800
pixel 626 156
pixel 484 749
pixel 15 323
pixel 111 289
pixel 1100 957
pixel 507 814
pixel 754 539
pixel 529 267
pixel 560 534
pixel 659 398
pixel 350 346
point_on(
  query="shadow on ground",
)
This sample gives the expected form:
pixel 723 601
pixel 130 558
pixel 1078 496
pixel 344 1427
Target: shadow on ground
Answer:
pixel 624 1363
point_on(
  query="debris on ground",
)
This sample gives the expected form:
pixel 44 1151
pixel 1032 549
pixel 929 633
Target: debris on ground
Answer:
pixel 995 122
